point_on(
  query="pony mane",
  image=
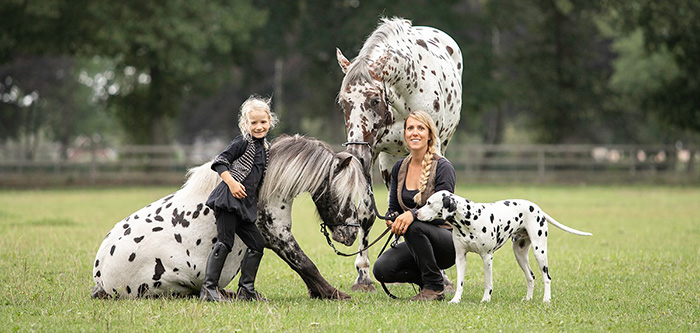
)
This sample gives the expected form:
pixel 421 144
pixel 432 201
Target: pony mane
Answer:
pixel 359 70
pixel 299 164
pixel 200 180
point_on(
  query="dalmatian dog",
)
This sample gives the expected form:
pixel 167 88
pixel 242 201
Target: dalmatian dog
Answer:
pixel 484 227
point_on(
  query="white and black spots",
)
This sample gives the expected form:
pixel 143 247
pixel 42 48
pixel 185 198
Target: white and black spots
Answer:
pixel 162 249
pixel 400 68
pixel 484 227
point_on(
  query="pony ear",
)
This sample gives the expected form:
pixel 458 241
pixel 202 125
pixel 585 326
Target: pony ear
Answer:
pixel 376 69
pixel 342 61
pixel 344 162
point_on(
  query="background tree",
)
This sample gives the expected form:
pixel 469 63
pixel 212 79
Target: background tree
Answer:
pixel 668 29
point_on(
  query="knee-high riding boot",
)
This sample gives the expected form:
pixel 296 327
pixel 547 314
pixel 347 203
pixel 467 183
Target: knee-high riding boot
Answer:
pixel 210 288
pixel 249 269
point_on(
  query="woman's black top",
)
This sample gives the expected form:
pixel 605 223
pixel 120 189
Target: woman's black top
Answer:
pixel 444 180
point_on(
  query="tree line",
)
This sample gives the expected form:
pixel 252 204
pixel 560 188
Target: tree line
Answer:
pixel 548 71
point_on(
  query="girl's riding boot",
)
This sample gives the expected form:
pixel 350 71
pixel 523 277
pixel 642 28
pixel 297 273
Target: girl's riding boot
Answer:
pixel 246 284
pixel 210 288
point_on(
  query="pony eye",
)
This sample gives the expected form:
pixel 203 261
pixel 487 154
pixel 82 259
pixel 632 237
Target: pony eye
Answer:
pixel 374 102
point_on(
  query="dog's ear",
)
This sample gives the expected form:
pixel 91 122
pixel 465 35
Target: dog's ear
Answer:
pixel 449 203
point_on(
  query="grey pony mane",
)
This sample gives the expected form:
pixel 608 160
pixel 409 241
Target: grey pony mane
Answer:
pixel 299 164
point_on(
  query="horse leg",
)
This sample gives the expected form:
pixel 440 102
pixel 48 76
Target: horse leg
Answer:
pixel 277 232
pixel 363 282
pixel 386 162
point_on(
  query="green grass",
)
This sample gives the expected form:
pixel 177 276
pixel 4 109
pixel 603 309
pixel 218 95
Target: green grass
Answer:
pixel 639 272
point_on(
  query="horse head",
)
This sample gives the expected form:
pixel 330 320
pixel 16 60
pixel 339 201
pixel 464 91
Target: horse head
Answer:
pixel 364 99
pixel 343 203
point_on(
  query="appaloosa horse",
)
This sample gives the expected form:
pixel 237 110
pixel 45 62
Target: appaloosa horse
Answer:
pixel 400 68
pixel 162 248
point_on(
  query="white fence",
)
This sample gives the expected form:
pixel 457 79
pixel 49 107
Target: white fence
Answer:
pixel 473 164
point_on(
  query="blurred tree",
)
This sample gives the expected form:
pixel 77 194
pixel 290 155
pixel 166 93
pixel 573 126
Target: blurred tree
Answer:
pixel 557 64
pixel 173 47
pixel 668 29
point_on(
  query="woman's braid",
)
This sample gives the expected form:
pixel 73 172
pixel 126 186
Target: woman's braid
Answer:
pixel 426 166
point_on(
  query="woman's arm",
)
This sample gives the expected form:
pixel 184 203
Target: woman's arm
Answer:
pixel 394 206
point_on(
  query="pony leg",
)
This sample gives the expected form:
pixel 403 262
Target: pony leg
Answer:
pixel 279 238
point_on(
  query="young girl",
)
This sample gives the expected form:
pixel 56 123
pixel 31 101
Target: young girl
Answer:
pixel 235 200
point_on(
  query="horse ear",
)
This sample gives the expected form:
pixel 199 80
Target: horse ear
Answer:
pixel 342 61
pixel 376 69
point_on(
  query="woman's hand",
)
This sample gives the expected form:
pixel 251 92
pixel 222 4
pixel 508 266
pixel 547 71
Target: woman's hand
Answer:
pixel 399 226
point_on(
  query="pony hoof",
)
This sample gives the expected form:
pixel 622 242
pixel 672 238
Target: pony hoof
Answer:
pixel 363 287
pixel 340 295
pixel 99 293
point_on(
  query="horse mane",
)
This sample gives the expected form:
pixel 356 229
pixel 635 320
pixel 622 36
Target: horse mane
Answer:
pixel 299 164
pixel 200 180
pixel 359 70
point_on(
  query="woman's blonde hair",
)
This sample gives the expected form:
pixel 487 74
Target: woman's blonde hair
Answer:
pixel 254 103
pixel 427 162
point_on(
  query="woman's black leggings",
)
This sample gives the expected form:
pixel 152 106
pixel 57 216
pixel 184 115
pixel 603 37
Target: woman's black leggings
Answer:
pixel 426 250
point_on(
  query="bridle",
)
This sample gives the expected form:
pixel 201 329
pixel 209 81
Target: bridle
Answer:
pixel 383 123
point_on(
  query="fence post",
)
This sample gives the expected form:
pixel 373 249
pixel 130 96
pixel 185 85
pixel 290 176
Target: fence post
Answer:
pixel 540 162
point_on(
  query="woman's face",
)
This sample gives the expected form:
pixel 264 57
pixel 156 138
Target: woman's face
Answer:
pixel 259 123
pixel 416 135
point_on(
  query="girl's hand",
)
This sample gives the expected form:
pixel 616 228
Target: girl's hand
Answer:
pixel 401 223
pixel 237 190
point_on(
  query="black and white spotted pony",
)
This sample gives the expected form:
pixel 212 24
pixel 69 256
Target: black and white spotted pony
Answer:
pixel 400 68
pixel 161 249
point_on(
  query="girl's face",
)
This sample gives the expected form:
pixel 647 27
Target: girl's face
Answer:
pixel 416 135
pixel 259 123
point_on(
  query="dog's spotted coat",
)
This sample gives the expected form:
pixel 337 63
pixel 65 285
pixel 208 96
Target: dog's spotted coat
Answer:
pixel 484 227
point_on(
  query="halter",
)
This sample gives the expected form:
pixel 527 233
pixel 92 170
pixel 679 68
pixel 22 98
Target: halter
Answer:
pixel 376 213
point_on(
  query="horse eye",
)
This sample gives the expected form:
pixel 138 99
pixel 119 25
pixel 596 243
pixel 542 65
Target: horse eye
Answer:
pixel 374 102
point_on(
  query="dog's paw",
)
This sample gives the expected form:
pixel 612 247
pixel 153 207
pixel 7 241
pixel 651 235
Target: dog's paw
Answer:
pixel 486 299
pixel 454 301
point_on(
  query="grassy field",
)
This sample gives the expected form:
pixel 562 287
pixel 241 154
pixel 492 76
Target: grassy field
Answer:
pixel 639 272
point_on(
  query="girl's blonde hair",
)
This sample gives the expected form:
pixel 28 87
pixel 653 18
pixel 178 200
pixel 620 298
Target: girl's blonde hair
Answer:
pixel 427 162
pixel 254 103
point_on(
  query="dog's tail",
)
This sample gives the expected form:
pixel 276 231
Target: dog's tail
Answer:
pixel 565 228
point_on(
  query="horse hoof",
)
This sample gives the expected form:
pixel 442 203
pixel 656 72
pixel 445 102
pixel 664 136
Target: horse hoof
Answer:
pixel 363 287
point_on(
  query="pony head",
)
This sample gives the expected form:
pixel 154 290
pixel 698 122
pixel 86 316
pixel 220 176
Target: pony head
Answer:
pixel 336 183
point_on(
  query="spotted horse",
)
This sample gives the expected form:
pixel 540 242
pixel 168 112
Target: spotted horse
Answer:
pixel 400 68
pixel 161 249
